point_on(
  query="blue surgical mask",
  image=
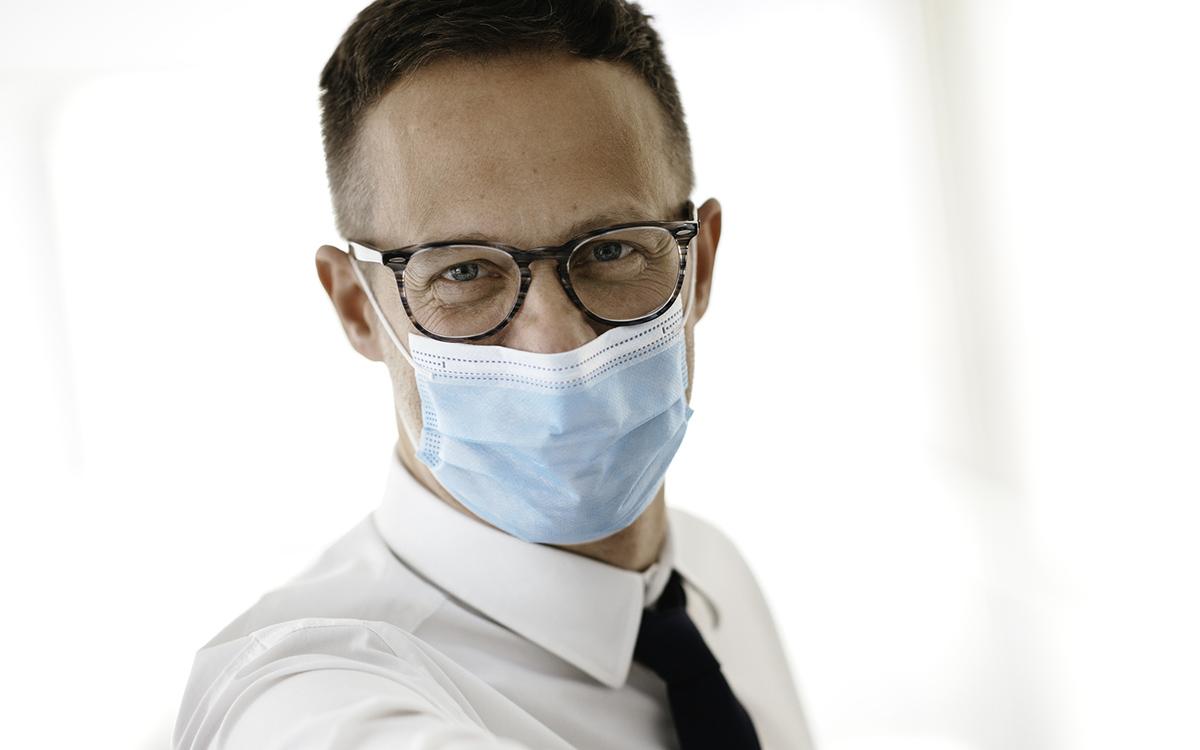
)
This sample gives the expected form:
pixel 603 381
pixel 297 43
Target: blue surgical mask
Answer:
pixel 555 448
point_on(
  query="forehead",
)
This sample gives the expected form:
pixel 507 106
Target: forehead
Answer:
pixel 517 149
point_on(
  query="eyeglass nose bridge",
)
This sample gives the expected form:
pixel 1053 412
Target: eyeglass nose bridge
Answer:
pixel 560 254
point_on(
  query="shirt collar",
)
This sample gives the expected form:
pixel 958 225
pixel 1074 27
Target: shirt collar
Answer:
pixel 582 610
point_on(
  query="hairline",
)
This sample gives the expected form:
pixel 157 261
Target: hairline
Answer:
pixel 353 188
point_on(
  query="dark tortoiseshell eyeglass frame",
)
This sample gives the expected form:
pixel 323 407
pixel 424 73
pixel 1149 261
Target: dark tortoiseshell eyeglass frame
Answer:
pixel 684 231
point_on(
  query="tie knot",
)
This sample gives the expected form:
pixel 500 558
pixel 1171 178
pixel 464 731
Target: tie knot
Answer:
pixel 673 596
pixel 668 641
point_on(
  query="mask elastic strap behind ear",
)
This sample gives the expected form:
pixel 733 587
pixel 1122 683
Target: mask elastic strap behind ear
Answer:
pixel 387 327
pixel 414 440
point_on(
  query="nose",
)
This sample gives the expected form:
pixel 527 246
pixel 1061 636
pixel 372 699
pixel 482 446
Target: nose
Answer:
pixel 548 321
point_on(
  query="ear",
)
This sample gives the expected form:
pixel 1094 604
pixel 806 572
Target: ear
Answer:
pixel 704 252
pixel 349 301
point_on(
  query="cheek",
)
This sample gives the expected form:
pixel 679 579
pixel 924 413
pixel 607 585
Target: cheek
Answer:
pixel 387 293
pixel 404 385
pixel 404 392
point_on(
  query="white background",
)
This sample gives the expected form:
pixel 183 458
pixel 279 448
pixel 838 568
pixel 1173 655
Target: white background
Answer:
pixel 946 394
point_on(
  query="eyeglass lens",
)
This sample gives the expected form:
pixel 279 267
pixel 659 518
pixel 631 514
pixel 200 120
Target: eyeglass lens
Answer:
pixel 466 290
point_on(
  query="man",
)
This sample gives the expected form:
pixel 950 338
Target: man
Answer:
pixel 513 181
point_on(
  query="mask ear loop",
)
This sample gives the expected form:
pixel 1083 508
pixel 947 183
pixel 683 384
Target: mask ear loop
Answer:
pixel 691 292
pixel 413 439
pixel 387 327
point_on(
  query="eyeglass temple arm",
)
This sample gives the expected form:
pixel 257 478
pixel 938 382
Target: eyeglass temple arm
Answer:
pixel 364 253
pixel 690 296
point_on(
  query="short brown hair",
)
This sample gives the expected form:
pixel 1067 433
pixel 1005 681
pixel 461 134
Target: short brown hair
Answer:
pixel 393 38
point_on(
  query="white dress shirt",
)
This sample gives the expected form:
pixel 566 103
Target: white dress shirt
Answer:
pixel 424 628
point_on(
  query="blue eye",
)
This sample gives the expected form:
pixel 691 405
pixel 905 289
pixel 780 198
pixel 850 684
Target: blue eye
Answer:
pixel 609 251
pixel 462 272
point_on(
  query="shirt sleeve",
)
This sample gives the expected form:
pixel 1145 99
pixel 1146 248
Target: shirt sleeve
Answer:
pixel 318 683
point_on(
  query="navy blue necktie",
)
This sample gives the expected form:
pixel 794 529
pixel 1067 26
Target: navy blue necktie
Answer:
pixel 706 712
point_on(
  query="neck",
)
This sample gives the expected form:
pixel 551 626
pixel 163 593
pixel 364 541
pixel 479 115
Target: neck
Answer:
pixel 634 547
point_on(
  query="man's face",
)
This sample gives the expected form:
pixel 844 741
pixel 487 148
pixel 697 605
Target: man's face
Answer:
pixel 518 150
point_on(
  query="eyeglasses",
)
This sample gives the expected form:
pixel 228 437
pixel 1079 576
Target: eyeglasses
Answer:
pixel 456 290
